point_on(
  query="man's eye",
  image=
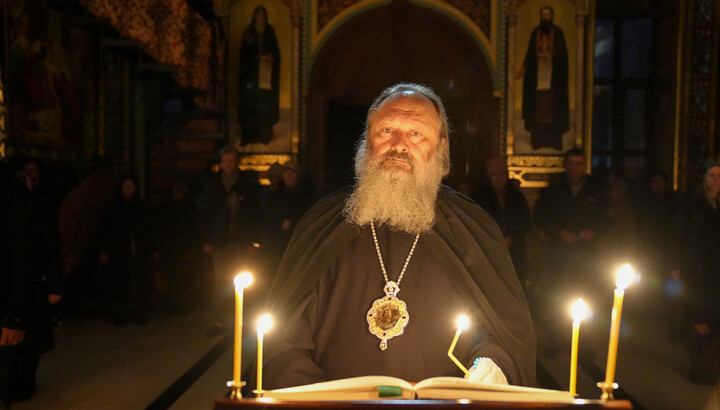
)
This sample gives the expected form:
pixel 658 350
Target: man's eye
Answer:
pixel 387 130
pixel 415 133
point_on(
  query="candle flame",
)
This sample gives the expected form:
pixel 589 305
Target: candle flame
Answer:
pixel 625 275
pixel 264 324
pixel 579 311
pixel 243 280
pixel 463 323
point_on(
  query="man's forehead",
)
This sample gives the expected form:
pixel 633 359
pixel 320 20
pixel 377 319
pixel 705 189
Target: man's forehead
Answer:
pixel 415 106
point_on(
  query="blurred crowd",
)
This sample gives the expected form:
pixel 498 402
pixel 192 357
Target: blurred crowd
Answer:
pixel 102 249
pixel 581 229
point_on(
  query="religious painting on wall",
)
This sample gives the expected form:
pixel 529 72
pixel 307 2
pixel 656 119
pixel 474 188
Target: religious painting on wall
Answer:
pixel 261 65
pixel 545 83
pixel 48 87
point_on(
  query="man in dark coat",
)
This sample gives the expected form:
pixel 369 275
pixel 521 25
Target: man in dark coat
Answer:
pixel 29 276
pixel 123 255
pixel 571 213
pixel 259 79
pixel 229 228
pixel 14 248
pixel 422 251
pixel 545 84
pixel 284 207
pixel 508 206
pixel 701 269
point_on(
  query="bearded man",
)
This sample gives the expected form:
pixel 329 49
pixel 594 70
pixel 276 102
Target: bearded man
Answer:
pixel 374 277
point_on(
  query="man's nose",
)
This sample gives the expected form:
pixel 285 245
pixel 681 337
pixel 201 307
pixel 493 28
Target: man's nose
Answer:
pixel 399 142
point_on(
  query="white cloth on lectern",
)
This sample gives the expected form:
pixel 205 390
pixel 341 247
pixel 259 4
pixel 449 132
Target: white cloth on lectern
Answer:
pixel 486 371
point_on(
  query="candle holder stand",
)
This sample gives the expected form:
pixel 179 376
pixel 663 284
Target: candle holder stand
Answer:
pixel 235 390
pixel 259 393
pixel 607 390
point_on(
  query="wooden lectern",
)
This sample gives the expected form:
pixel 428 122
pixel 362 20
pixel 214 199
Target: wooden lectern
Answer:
pixel 265 403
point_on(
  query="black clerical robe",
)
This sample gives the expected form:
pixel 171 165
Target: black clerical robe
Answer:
pixel 330 276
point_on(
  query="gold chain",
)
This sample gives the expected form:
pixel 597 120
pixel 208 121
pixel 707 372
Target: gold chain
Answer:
pixel 382 265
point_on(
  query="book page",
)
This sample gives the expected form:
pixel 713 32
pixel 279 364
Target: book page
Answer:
pixel 354 388
pixel 459 388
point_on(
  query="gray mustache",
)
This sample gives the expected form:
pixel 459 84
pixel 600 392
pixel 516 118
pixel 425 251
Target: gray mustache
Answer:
pixel 404 156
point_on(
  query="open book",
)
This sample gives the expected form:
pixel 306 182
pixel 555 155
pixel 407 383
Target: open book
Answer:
pixel 386 387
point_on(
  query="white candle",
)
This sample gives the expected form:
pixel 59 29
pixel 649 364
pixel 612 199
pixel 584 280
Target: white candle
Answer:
pixel 264 324
pixel 579 312
pixel 625 276
pixel 463 323
pixel 241 281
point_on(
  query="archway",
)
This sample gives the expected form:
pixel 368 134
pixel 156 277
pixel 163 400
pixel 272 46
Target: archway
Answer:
pixel 400 42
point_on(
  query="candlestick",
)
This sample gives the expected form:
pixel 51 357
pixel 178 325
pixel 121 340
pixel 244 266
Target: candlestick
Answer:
pixel 462 324
pixel 625 275
pixel 241 281
pixel 579 312
pixel 264 324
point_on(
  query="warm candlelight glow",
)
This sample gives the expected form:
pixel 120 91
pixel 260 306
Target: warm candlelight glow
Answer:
pixel 625 276
pixel 579 311
pixel 243 280
pixel 463 323
pixel 264 324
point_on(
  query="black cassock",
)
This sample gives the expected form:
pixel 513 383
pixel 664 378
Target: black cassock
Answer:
pixel 330 275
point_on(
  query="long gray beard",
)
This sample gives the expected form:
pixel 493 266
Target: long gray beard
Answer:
pixel 387 194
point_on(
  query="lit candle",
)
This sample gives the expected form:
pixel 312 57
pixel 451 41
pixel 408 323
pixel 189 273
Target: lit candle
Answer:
pixel 241 281
pixel 579 312
pixel 463 323
pixel 264 324
pixel 625 276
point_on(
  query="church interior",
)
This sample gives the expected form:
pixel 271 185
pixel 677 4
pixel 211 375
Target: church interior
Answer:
pixel 96 90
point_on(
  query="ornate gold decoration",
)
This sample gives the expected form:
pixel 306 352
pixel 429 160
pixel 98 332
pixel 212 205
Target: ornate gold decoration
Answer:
pixel 261 162
pixel 534 171
pixel 535 161
pixel 388 315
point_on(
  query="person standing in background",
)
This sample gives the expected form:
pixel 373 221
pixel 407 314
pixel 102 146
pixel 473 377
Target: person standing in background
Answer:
pixel 571 214
pixel 123 255
pixel 229 218
pixel 283 210
pixel 508 206
pixel 702 272
pixel 30 280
